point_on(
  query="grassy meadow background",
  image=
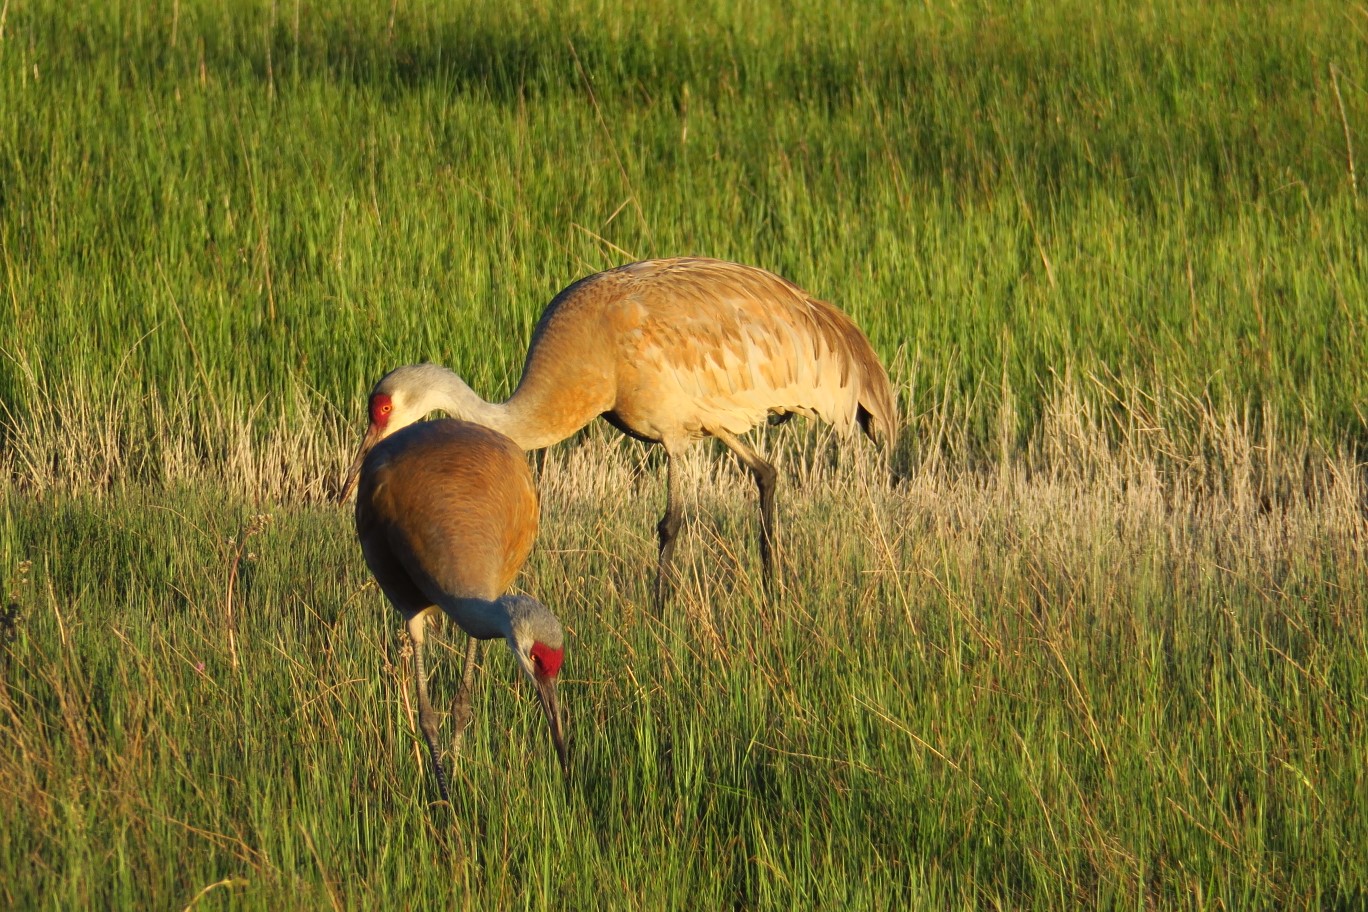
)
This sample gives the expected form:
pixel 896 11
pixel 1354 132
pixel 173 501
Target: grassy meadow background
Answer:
pixel 1104 646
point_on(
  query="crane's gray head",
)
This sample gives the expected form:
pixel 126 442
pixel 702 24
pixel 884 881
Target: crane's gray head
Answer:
pixel 403 396
pixel 534 633
pixel 538 642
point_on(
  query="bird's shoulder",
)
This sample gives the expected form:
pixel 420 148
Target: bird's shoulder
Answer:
pixel 679 289
pixel 444 481
pixel 442 454
pixel 701 309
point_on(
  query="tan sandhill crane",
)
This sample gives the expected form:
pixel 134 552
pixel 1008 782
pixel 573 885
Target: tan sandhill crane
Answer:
pixel 669 351
pixel 446 515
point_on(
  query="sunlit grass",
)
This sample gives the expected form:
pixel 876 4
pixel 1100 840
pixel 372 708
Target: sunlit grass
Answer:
pixel 1091 675
pixel 1101 647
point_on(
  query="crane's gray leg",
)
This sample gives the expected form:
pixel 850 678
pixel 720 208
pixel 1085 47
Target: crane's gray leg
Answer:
pixel 668 530
pixel 462 711
pixel 766 479
pixel 427 719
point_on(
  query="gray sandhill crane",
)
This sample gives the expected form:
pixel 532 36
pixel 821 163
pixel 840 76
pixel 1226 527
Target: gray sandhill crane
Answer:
pixel 446 515
pixel 669 351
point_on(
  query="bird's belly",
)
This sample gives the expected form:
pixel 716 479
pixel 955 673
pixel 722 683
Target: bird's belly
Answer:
pixel 677 426
pixel 680 405
pixel 640 432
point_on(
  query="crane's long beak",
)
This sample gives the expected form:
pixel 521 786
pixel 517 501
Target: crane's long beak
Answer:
pixel 354 471
pixel 546 693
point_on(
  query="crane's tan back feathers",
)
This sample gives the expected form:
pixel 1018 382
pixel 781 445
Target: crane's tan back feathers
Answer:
pixel 712 345
pixel 448 506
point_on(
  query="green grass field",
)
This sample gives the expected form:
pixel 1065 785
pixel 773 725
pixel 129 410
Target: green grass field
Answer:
pixel 1104 647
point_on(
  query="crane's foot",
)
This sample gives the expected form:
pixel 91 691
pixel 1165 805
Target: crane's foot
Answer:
pixel 438 770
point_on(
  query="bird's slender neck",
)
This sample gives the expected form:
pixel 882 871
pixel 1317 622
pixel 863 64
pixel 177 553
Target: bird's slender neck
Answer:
pixel 449 393
pixel 519 418
pixel 482 619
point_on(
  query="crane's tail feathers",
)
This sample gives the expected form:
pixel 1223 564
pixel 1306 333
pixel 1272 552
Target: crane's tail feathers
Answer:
pixel 878 413
pixel 876 410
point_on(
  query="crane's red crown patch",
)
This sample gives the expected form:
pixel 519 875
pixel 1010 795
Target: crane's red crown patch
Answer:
pixel 546 661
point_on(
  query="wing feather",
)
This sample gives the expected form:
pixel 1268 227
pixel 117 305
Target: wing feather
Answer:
pixel 741 342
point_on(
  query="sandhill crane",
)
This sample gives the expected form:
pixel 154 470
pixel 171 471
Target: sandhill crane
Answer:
pixel 446 515
pixel 669 351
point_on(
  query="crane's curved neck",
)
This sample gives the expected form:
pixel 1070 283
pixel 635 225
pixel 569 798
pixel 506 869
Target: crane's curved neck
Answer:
pixel 524 417
pixel 482 619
